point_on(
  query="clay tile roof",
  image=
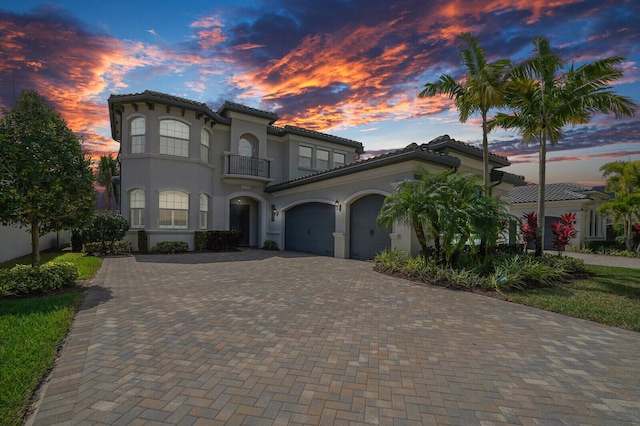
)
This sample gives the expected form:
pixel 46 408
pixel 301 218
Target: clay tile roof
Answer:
pixel 233 106
pixel 281 131
pixel 553 192
pixel 445 142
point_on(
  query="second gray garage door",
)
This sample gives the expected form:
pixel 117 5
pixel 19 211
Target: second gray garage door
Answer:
pixel 365 238
pixel 309 228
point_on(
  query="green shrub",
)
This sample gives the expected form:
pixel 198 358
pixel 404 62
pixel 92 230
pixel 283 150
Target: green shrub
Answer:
pixel 459 278
pixel 390 260
pixel 170 247
pixel 143 241
pixel 270 245
pixel 223 240
pixel 200 240
pixel 106 229
pixel 117 248
pixel 568 264
pixel 25 279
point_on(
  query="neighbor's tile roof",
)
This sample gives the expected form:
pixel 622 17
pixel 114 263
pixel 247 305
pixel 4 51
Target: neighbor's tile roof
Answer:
pixel 553 192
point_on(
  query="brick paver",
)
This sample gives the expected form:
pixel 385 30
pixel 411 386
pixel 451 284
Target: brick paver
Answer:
pixel 277 338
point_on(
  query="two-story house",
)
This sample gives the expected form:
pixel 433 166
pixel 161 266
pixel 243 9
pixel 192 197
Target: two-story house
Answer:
pixel 185 167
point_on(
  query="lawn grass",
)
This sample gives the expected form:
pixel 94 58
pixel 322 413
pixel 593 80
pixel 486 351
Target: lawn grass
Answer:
pixel 31 332
pixel 611 296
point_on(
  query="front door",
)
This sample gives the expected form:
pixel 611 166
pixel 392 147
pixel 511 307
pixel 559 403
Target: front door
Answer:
pixel 240 221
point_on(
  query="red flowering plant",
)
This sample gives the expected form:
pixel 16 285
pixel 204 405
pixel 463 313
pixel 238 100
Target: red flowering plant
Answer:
pixel 529 228
pixel 563 230
pixel 635 235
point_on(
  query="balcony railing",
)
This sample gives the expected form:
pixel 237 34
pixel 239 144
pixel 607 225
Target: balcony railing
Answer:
pixel 248 166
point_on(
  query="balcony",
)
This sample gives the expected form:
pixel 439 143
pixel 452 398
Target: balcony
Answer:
pixel 239 168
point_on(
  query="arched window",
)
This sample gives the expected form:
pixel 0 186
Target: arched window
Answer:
pixel 246 148
pixel 136 208
pixel 136 142
pixel 174 138
pixel 204 211
pixel 205 143
pixel 174 210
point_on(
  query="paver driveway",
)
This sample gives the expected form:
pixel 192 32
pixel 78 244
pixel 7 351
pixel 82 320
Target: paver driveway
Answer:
pixel 279 338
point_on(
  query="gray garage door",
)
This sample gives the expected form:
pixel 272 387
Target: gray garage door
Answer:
pixel 365 238
pixel 309 228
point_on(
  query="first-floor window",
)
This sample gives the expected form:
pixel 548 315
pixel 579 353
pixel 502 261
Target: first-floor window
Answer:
pixel 204 210
pixel 136 208
pixel 174 210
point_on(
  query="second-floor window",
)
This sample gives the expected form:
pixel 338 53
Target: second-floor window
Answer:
pixel 205 144
pixel 174 138
pixel 338 159
pixel 138 126
pixel 245 148
pixel 322 159
pixel 305 156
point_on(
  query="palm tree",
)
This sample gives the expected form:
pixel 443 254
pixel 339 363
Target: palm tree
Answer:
pixel 623 178
pixel 446 208
pixel 107 169
pixel 481 90
pixel 545 98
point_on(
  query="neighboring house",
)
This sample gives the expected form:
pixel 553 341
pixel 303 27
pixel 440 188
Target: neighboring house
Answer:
pixel 561 198
pixel 185 167
pixel 16 241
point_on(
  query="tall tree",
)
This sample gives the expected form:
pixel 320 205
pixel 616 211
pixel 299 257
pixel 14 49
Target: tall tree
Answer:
pixel 481 90
pixel 545 96
pixel 46 183
pixel 107 169
pixel 623 179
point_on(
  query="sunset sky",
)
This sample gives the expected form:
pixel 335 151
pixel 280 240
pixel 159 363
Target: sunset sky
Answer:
pixel 352 68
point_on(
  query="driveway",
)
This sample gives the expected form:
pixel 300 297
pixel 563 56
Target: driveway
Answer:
pixel 280 338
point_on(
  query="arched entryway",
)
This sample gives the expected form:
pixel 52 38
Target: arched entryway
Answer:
pixel 243 217
pixel 309 228
pixel 365 238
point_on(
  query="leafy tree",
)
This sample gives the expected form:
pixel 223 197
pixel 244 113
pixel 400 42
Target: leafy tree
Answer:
pixel 46 183
pixel 481 90
pixel 448 209
pixel 623 179
pixel 107 169
pixel 545 96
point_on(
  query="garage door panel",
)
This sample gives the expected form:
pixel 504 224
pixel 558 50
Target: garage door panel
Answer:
pixel 309 228
pixel 366 238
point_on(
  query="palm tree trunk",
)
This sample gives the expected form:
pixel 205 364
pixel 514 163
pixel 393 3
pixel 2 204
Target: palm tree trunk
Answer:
pixel 486 173
pixel 417 227
pixel 542 171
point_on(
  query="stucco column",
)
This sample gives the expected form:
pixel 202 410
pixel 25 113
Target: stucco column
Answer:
pixel 339 246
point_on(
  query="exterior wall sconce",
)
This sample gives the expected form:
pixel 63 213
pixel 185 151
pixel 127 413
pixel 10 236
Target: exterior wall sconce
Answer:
pixel 274 212
pixel 338 206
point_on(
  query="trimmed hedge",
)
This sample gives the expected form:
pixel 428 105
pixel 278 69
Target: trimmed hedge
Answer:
pixel 116 248
pixel 25 279
pixel 170 247
pixel 143 241
pixel 223 240
pixel 270 245
pixel 200 240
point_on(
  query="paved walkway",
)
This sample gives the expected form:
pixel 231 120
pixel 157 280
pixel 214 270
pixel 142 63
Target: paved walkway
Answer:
pixel 605 260
pixel 277 338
